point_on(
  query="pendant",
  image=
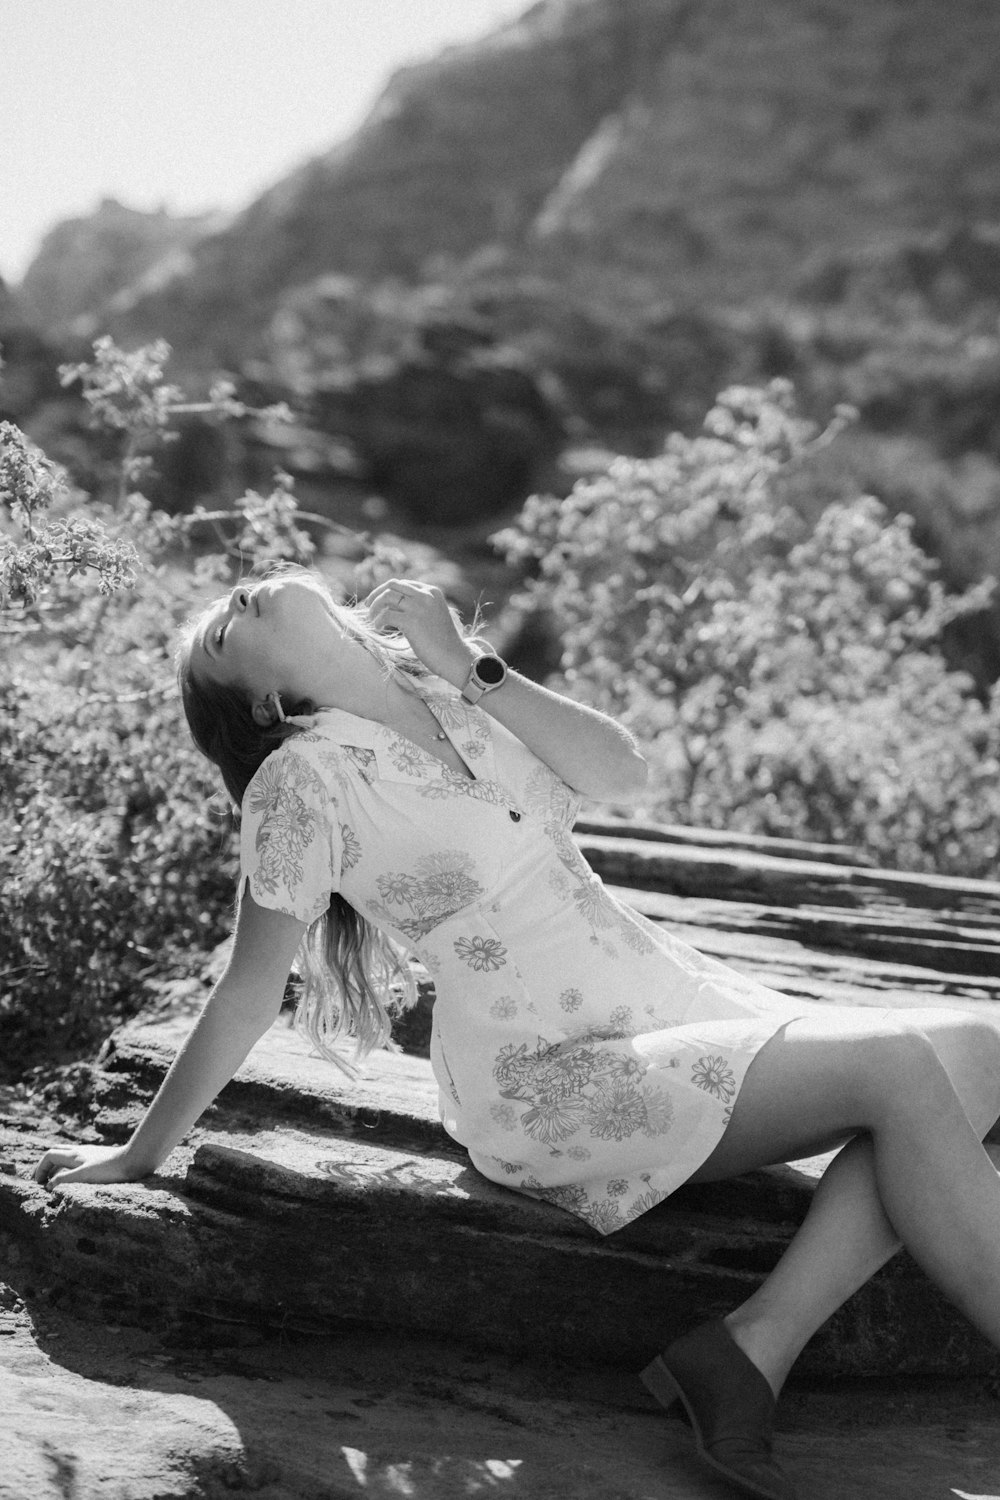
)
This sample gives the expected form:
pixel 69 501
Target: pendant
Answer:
pixel 441 735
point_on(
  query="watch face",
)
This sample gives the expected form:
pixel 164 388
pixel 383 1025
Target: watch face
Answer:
pixel 490 670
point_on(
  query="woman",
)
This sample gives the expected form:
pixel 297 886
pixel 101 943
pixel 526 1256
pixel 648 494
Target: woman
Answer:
pixel 400 786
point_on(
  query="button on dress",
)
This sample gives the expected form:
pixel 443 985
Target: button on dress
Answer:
pixel 583 1055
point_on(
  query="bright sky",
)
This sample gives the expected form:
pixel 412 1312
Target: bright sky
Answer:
pixel 191 104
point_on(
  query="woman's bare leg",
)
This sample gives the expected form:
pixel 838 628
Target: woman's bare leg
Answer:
pixel 917 1092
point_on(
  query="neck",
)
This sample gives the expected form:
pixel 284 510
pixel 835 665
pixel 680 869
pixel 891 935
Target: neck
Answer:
pixel 355 682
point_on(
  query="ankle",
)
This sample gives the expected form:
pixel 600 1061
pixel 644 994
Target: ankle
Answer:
pixel 763 1346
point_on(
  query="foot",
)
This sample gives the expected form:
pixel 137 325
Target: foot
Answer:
pixel 730 1406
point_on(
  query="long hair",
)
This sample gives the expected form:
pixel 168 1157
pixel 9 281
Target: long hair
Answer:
pixel 349 968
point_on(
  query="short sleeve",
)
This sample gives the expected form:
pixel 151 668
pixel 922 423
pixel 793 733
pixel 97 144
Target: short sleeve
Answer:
pixel 289 851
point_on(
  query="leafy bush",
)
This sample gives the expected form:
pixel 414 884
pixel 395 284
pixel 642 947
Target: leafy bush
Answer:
pixel 47 535
pixel 115 857
pixel 785 676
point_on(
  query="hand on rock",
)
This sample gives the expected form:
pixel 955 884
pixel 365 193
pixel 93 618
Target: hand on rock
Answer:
pixel 62 1164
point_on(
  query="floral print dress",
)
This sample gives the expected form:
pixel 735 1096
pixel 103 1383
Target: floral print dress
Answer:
pixel 583 1055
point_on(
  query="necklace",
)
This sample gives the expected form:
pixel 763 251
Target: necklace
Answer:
pixel 440 734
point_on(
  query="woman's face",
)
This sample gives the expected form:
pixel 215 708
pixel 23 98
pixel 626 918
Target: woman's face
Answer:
pixel 273 636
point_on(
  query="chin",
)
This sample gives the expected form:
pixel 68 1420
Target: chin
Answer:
pixel 302 603
pixel 291 589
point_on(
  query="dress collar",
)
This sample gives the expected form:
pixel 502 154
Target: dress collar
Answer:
pixel 400 759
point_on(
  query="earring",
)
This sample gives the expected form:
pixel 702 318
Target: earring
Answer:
pixel 301 721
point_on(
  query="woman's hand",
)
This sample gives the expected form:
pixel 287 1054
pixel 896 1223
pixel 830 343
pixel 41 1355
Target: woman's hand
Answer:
pixel 63 1164
pixel 421 613
pixel 586 749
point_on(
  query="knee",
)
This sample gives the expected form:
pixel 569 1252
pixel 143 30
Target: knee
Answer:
pixel 983 1044
pixel 923 1052
pixel 908 1051
pixel 969 1048
pixel 977 1042
pixel 898 1066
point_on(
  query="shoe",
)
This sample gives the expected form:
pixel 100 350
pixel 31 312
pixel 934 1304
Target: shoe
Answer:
pixel 730 1406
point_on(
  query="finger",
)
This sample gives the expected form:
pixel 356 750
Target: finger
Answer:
pixel 384 606
pixel 50 1163
pixel 68 1174
pixel 382 613
pixel 389 586
pixel 46 1179
pixel 393 603
pixel 401 589
pixel 52 1178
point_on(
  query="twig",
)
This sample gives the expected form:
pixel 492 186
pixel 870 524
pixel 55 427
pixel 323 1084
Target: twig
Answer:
pixel 212 517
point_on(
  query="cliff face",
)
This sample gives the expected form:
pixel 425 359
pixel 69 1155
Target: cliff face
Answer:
pixel 84 265
pixel 461 152
pixel 770 135
pixel 713 148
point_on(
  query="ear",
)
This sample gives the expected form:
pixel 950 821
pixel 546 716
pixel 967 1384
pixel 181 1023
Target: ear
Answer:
pixel 263 713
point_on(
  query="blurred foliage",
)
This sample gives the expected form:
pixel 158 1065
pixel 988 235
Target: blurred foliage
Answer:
pixel 531 357
pixel 784 675
pixel 443 418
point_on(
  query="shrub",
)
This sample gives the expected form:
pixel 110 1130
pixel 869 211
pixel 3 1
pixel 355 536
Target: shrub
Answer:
pixel 116 861
pixel 785 676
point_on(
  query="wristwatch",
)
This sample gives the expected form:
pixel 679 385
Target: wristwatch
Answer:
pixel 486 673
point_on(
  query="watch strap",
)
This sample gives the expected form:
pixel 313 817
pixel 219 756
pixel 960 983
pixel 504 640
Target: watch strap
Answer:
pixel 477 683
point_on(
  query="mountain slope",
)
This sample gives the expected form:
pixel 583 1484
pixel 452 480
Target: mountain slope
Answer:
pixel 460 152
pixel 775 132
pixel 711 148
pixel 83 263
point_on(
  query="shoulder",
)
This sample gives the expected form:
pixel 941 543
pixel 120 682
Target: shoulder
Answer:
pixel 294 766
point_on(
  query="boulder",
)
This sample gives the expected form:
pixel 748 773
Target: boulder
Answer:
pixel 303 1201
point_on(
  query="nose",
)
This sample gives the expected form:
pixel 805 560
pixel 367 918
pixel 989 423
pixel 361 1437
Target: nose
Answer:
pixel 239 600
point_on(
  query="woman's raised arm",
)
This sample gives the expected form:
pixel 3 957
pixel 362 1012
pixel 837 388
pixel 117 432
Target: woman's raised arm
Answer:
pixel 241 1007
pixel 590 751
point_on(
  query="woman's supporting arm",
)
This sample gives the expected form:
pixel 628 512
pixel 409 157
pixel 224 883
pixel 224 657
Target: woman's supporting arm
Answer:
pixel 241 1007
pixel 592 753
